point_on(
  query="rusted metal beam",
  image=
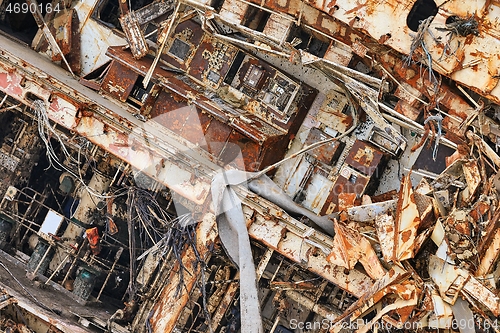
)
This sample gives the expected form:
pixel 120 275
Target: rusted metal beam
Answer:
pixel 169 305
pixel 164 34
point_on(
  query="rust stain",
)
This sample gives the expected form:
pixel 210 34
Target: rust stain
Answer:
pixel 405 235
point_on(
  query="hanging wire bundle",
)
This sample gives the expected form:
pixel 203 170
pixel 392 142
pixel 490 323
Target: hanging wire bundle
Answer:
pixel 46 132
pixel 461 26
pixel 158 231
pixel 456 27
pixel 418 43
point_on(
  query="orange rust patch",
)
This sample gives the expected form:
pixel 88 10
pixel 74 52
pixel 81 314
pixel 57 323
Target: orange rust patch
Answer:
pixel 405 235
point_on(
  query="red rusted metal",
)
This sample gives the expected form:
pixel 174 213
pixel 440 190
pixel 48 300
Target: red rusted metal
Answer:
pixel 346 200
pixel 119 81
pixel 223 306
pixel 260 131
pixel 364 157
pixel 472 177
pixel 348 181
pixel 94 240
pixel 61 28
pixel 74 55
pixel 193 114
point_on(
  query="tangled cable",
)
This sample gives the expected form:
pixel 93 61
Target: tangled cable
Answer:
pixel 46 132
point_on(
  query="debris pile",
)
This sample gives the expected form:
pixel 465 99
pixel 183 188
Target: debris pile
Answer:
pixel 433 251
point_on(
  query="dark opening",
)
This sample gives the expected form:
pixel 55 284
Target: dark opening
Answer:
pixel 217 5
pixel 32 97
pixel 152 30
pixel 180 49
pixel 317 47
pixel 16 19
pixel 421 10
pixel 308 42
pixel 139 94
pixel 255 18
pixel 452 19
pixel 108 11
pixel 234 68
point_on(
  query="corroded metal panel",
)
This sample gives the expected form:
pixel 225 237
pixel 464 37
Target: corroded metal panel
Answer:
pixel 246 154
pixel 217 135
pixel 348 181
pixel 212 61
pixel 372 18
pixel 324 153
pixel 278 27
pixel 62 30
pixel 364 158
pixel 331 112
pixel 179 94
pixel 135 37
pixel 119 81
pixel 181 47
pixel 406 223
pixel 234 11
pixel 291 245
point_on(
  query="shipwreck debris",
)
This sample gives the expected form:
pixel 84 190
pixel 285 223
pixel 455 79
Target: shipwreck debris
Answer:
pixel 249 166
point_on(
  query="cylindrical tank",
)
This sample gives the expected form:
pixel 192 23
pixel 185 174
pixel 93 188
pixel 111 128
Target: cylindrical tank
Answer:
pixel 84 283
pixel 100 184
pixel 5 229
pixel 66 183
pixel 40 257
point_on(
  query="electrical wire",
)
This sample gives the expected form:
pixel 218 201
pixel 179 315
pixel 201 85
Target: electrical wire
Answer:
pixel 46 131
